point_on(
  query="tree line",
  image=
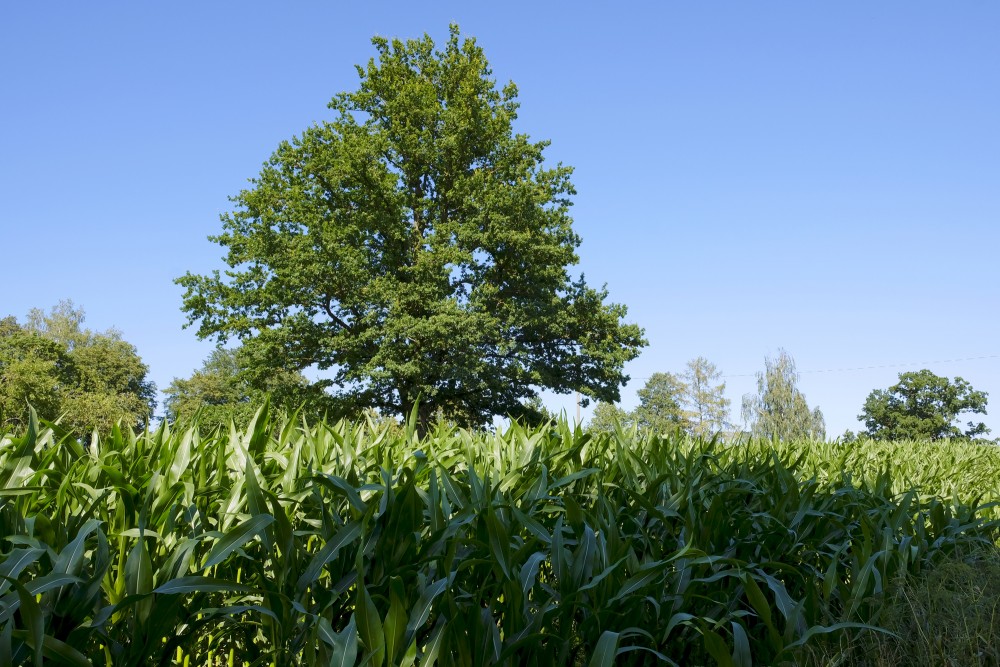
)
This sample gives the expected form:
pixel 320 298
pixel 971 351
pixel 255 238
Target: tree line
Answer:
pixel 920 406
pixel 93 380
pixel 415 253
pixel 694 401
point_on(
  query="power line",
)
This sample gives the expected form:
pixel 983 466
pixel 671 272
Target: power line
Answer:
pixel 863 368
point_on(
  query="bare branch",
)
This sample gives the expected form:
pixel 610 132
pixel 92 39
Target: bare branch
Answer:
pixel 333 316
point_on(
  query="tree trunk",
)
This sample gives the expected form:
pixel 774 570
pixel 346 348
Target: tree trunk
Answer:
pixel 423 413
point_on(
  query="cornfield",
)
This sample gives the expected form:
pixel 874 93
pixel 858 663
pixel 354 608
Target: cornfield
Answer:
pixel 290 543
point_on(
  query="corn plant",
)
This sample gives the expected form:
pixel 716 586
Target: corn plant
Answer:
pixel 289 543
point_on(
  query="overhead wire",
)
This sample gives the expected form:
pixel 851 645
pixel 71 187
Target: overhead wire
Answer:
pixel 861 368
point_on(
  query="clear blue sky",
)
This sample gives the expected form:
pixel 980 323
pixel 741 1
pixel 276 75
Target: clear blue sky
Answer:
pixel 822 177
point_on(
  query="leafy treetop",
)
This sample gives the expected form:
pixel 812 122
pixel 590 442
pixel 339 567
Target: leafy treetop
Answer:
pixel 705 398
pixel 660 404
pixel 88 379
pixel 923 406
pixel 779 410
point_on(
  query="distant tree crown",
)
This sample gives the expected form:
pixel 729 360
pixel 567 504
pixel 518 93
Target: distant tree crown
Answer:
pixel 923 406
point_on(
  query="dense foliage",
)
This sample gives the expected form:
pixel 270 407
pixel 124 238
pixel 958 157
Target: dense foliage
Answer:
pixel 660 408
pixel 416 246
pixel 91 379
pixel 340 544
pixel 923 405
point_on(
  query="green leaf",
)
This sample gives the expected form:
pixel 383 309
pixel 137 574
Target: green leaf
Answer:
pixel 257 432
pixel 6 644
pixel 678 618
pixel 346 535
pixel 646 576
pixel 139 578
pixel 836 627
pixel 344 644
pixel 56 652
pixel 15 563
pixel 529 571
pixel 256 502
pixel 51 581
pixel 433 648
pixel 70 559
pixel 339 485
pixel 576 476
pixel 716 647
pixel 395 621
pixel 606 650
pixel 370 626
pixel 603 575
pixel 759 603
pixel 413 420
pixel 196 584
pixel 498 538
pixel 31 616
pixel 236 538
pixel 742 656
pixel 422 609
pixel 140 532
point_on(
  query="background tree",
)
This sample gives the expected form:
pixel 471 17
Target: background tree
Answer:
pixel 817 424
pixel 849 436
pixel 63 324
pixel 535 413
pixel 216 389
pixel 704 398
pixel 660 404
pixel 226 388
pixel 416 247
pixel 607 417
pixel 779 410
pixel 89 380
pixel 33 370
pixel 108 384
pixel 923 406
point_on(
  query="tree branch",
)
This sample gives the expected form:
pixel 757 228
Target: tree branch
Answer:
pixel 333 316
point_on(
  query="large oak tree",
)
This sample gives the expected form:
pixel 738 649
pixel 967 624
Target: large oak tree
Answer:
pixel 416 247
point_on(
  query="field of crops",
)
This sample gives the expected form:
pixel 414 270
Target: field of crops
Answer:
pixel 296 544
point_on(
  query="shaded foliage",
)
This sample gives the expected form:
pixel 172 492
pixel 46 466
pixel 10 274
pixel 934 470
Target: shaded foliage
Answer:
pixel 229 387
